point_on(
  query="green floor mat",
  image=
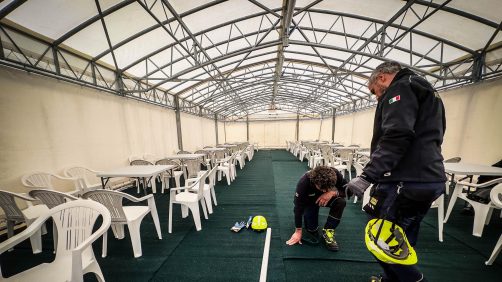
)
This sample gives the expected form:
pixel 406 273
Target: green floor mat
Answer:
pixel 266 186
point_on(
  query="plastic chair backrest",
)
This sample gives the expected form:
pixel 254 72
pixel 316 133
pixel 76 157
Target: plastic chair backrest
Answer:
pixel 38 180
pixel 453 160
pixel 212 176
pixel 51 198
pixel 112 200
pixel 220 154
pixel 9 206
pixel 83 174
pixel 75 221
pixel 201 182
pixel 193 167
pixel 140 162
pixel 168 162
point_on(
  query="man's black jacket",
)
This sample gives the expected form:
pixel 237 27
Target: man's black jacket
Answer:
pixel 408 132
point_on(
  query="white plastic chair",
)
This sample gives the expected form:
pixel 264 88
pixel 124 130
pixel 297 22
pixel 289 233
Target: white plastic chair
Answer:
pixel 47 180
pixel 496 198
pixel 14 214
pixel 74 257
pixel 88 180
pixel 241 158
pixel 51 199
pixel 209 193
pixel 189 200
pixel 227 166
pixel 121 215
pixel 175 173
pixel 482 212
pixel 141 162
pixel 150 157
pixel 134 158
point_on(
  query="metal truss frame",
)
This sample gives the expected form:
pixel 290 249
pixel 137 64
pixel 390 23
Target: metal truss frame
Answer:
pixel 239 82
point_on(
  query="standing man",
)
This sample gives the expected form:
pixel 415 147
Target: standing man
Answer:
pixel 406 164
pixel 321 187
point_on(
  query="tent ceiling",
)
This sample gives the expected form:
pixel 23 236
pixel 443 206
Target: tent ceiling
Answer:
pixel 240 57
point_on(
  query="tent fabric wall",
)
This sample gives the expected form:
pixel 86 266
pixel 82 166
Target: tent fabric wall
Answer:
pixel 309 129
pixel 221 132
pixel 326 128
pixel 343 129
pixel 197 132
pixel 47 125
pixel 272 133
pixel 473 116
pixel 235 131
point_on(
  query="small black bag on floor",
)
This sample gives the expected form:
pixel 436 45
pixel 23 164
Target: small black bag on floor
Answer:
pixel 482 195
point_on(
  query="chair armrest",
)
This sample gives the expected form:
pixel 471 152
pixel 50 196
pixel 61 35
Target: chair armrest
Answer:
pixel 134 199
pixel 25 234
pixel 24 196
pixel 482 185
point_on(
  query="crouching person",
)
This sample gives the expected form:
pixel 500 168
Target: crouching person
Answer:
pixel 321 187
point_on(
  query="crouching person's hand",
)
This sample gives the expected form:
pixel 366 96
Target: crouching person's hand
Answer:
pixel 296 238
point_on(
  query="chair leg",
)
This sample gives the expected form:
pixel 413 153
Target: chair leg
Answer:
pixel 155 217
pixel 134 228
pixel 177 180
pixel 165 183
pixel 170 227
pixel 207 199
pixel 118 231
pixel 55 236
pixel 104 250
pixel 453 199
pixel 440 217
pixel 194 208
pixel 488 217
pixel 214 196
pixel 184 211
pixel 203 204
pixel 94 268
pixel 36 241
pixel 480 213
pixel 495 252
pixel 10 230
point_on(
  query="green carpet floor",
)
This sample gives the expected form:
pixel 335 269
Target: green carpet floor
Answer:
pixel 266 187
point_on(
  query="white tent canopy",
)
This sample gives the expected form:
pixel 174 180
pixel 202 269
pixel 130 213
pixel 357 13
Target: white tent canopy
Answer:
pixel 237 58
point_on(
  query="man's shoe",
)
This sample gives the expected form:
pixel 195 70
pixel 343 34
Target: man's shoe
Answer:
pixel 310 237
pixel 329 239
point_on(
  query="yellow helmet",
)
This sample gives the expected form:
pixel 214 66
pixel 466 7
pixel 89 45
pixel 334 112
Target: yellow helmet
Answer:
pixel 388 243
pixel 259 223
